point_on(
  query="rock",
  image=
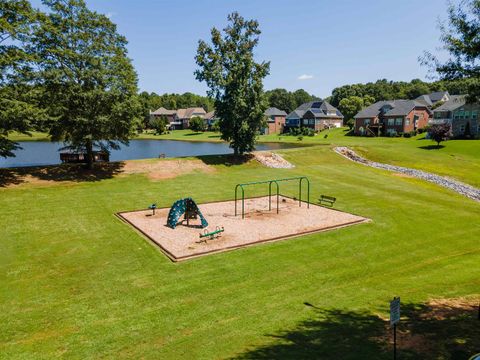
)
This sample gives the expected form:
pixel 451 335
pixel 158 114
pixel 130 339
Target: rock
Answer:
pixel 457 186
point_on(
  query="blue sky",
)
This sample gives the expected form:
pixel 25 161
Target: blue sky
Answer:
pixel 330 42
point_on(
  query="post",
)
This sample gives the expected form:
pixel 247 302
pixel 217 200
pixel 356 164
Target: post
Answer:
pixel 395 342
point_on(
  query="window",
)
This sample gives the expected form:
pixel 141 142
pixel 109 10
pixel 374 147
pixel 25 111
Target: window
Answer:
pixel 367 121
pixel 407 122
pixel 462 128
pixel 391 122
pixel 467 114
pixel 398 121
pixel 474 114
pixel 311 121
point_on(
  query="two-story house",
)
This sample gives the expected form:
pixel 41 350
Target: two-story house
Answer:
pixel 461 116
pixel 434 98
pixel 391 118
pixel 184 115
pixel 275 121
pixel 317 115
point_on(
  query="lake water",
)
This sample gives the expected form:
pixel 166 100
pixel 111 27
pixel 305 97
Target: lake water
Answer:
pixel 46 153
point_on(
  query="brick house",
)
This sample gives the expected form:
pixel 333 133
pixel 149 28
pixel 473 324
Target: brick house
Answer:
pixel 275 120
pixel 184 115
pixel 463 117
pixel 392 117
pixel 317 115
pixel 169 114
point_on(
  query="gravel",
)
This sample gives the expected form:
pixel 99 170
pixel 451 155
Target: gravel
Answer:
pixel 457 186
pixel 272 160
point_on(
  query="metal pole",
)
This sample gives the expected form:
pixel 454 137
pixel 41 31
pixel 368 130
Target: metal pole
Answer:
pixel 308 193
pixel 243 203
pixel 300 192
pixel 236 187
pixel 270 196
pixel 394 341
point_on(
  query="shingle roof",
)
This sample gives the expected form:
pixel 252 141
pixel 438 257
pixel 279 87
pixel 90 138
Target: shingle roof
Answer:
pixel 163 111
pixel 273 111
pixel 424 99
pixel 454 102
pixel 188 112
pixel 391 107
pixel 437 96
pixel 210 115
pixel 318 108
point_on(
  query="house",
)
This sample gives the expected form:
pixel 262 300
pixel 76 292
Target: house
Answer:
pixel 463 117
pixel 275 120
pixel 317 115
pixel 434 98
pixel 210 118
pixel 184 115
pixel 392 117
pixel 169 114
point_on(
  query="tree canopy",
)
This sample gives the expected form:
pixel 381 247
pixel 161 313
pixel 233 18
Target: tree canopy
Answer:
pixel 89 82
pixel 287 100
pixel 460 38
pixel 235 81
pixel 19 109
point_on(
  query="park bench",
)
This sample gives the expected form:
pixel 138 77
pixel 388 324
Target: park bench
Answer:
pixel 328 200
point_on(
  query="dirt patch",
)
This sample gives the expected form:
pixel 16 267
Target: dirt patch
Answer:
pixel 165 169
pixel 155 169
pixel 260 225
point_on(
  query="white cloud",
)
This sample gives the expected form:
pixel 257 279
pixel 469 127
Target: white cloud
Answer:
pixel 305 77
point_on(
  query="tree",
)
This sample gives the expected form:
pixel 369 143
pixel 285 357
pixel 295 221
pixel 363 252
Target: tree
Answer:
pixel 159 124
pixel 235 81
pixel 90 83
pixel 460 39
pixel 197 124
pixel 281 99
pixel 19 109
pixel 350 106
pixel 300 97
pixel 440 132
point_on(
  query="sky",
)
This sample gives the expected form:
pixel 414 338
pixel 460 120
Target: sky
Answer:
pixel 315 45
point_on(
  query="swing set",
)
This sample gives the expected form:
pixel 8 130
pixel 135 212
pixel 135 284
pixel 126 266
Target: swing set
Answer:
pixel 300 180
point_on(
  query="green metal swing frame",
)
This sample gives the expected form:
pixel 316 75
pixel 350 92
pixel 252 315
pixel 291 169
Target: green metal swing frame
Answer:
pixel 270 182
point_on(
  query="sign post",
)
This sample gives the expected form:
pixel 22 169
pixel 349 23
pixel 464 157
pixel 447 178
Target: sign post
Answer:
pixel 394 319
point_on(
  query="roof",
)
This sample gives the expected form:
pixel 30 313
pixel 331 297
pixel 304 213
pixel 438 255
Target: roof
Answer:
pixel 438 95
pixel 209 115
pixel 454 102
pixel 432 98
pixel 273 111
pixel 189 112
pixel 163 111
pixel 390 108
pixel 320 109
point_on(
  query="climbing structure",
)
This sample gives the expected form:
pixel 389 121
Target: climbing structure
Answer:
pixel 185 207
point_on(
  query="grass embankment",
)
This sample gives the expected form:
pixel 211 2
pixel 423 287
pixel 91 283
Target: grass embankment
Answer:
pixel 459 159
pixel 77 282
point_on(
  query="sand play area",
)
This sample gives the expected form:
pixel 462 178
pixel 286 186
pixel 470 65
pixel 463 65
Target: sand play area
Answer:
pixel 260 225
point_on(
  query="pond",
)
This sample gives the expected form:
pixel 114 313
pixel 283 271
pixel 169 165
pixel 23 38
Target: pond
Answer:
pixel 35 153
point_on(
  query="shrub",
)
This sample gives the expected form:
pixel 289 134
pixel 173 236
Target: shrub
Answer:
pixel 159 124
pixel 197 124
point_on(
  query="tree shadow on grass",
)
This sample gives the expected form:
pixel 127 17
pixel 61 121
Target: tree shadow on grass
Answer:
pixel 431 147
pixel 193 134
pixel 433 331
pixel 226 160
pixel 60 173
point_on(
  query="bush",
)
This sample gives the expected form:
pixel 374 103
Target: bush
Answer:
pixel 159 124
pixel 421 130
pixel 197 124
pixel 215 126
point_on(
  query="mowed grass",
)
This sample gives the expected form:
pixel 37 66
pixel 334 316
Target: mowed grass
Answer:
pixel 75 282
pixel 458 159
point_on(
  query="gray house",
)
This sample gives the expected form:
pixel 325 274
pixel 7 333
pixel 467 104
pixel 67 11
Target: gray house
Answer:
pixel 434 98
pixel 463 117
pixel 317 115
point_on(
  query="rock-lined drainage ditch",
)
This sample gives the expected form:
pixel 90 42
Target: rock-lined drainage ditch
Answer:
pixel 457 186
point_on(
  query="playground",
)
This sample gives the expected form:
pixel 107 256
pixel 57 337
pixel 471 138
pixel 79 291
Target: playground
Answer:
pixel 228 225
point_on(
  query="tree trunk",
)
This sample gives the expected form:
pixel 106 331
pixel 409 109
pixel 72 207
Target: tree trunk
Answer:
pixel 89 148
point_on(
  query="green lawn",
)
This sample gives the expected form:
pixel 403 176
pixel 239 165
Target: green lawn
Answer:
pixel 459 159
pixel 75 282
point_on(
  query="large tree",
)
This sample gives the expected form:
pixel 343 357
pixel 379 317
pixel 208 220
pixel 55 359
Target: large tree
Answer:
pixel 18 98
pixel 235 81
pixel 461 40
pixel 90 83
